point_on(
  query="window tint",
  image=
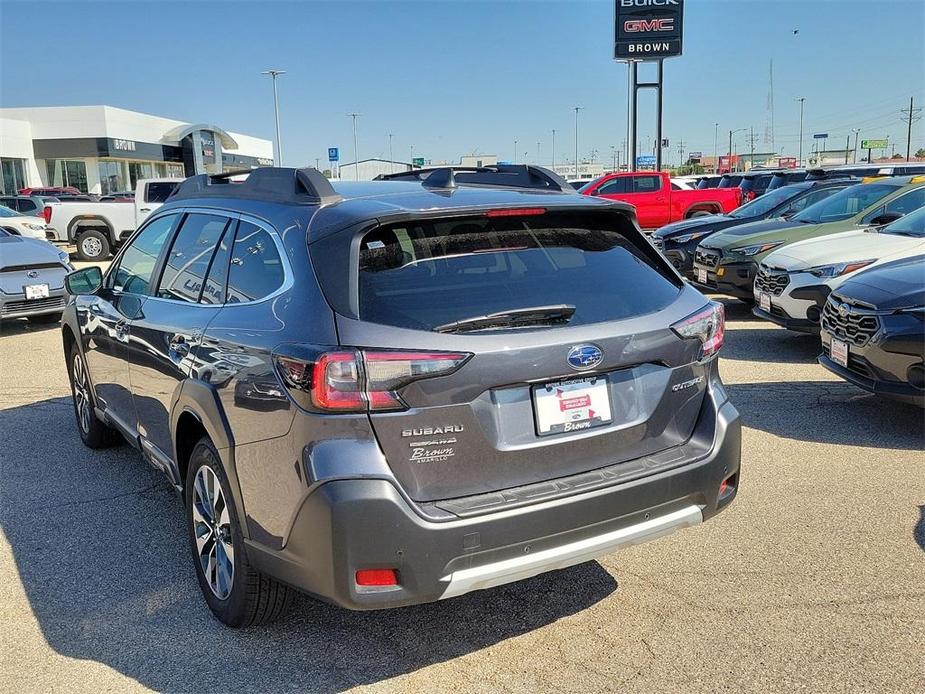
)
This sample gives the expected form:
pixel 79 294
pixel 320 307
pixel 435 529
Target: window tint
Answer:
pixel 430 273
pixel 614 187
pixel 646 184
pixel 907 203
pixel 256 269
pixel 159 191
pixel 137 262
pixel 845 203
pixel 214 290
pixel 189 257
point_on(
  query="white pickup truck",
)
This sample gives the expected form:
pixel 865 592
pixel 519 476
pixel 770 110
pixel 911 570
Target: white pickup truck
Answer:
pixel 97 228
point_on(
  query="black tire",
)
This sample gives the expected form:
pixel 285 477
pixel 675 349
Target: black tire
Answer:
pixel 92 245
pixel 699 213
pixel 46 318
pixel 253 598
pixel 94 433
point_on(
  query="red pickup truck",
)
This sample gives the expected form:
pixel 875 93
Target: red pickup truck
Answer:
pixel 657 201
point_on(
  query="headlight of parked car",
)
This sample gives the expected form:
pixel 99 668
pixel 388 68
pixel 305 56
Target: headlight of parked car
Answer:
pixel 757 248
pixel 690 237
pixel 838 269
pixel 34 227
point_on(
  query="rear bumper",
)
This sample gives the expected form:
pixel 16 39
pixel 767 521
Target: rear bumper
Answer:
pixel 352 524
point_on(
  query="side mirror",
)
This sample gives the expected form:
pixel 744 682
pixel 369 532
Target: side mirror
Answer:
pixel 885 218
pixel 84 281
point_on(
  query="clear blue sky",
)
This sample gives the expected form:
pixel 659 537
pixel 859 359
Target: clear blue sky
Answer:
pixel 459 77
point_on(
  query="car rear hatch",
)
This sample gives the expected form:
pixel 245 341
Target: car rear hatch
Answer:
pixel 544 338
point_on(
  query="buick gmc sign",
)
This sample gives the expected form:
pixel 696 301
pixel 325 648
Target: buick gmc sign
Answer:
pixel 648 29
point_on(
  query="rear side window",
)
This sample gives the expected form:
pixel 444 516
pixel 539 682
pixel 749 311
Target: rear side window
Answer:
pixel 431 273
pixel 256 270
pixel 189 257
pixel 159 191
pixel 907 203
pixel 614 187
pixel 136 266
pixel 647 184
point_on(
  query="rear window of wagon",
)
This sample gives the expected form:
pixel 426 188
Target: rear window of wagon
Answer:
pixel 428 273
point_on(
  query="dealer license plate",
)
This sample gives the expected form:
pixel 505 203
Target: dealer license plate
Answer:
pixel 36 291
pixel 764 301
pixel 839 352
pixel 573 405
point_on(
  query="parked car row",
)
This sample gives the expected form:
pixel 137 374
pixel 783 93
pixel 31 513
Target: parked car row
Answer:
pixel 830 255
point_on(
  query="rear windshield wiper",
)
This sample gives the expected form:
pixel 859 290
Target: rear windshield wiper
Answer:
pixel 557 314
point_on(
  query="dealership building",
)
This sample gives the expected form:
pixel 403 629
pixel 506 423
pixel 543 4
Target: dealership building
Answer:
pixel 103 149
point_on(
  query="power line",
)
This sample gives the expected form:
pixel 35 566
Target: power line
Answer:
pixel 912 115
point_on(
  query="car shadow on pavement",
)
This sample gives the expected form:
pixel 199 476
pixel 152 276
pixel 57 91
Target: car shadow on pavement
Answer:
pixel 834 412
pixel 21 326
pixel 918 532
pixel 774 345
pixel 100 549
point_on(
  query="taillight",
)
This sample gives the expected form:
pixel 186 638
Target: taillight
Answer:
pixel 751 195
pixel 357 380
pixel 46 213
pixel 707 325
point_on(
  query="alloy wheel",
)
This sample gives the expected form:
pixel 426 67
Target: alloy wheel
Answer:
pixel 212 529
pixel 81 393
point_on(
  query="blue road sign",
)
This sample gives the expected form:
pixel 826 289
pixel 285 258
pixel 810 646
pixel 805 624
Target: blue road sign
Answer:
pixel 645 160
pixel 821 136
pixel 333 154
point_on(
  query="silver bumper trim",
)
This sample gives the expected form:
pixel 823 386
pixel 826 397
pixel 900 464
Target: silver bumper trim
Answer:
pixel 517 568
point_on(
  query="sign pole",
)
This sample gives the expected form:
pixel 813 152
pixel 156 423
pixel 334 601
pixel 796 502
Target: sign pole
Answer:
pixel 631 114
pixel 658 122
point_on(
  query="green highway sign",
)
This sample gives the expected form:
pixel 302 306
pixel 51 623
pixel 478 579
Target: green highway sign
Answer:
pixel 874 144
pixel 419 161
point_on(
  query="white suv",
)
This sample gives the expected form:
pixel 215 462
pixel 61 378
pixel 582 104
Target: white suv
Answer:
pixel 792 284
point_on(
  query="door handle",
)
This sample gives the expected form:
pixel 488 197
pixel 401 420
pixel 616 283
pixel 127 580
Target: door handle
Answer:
pixel 144 209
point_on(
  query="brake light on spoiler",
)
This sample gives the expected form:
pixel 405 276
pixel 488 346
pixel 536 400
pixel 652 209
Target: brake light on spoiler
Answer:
pixel 357 380
pixel 517 212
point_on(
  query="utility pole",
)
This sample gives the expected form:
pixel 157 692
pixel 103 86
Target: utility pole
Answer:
pixel 856 131
pixel 731 133
pixel 274 74
pixel 715 151
pixel 751 147
pixel 681 152
pixel 801 99
pixel 553 149
pixel 613 152
pixel 847 147
pixel 538 160
pixel 577 109
pixel 317 159
pixel 391 158
pixel 412 157
pixel 356 156
pixel 912 115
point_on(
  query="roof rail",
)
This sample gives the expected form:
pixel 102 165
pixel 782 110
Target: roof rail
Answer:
pixel 497 176
pixel 271 183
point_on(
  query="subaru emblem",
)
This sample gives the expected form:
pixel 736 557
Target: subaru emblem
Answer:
pixel 32 274
pixel 582 357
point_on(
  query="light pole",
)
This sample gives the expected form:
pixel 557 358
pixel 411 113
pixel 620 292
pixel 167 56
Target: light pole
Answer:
pixel 715 152
pixel 577 109
pixel 553 149
pixel 613 152
pixel 538 143
pixel 274 74
pixel 356 156
pixel 855 131
pixel 801 99
pixel 391 158
pixel 317 159
pixel 515 151
pixel 412 157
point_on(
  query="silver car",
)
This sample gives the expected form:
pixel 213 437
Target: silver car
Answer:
pixel 31 278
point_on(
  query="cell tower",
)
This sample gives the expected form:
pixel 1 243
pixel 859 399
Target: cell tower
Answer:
pixel 769 126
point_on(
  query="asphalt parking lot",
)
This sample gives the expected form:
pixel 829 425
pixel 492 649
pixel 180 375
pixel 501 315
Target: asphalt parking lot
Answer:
pixel 813 581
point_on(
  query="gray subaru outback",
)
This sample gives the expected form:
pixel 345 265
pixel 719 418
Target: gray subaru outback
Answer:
pixel 400 391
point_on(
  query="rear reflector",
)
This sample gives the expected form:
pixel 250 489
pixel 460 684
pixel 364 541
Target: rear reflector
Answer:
pixel 377 577
pixel 522 212
pixel 46 213
pixel 728 486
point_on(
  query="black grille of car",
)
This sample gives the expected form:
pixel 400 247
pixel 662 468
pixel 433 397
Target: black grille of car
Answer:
pixel 849 323
pixel 772 282
pixel 12 307
pixel 707 256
